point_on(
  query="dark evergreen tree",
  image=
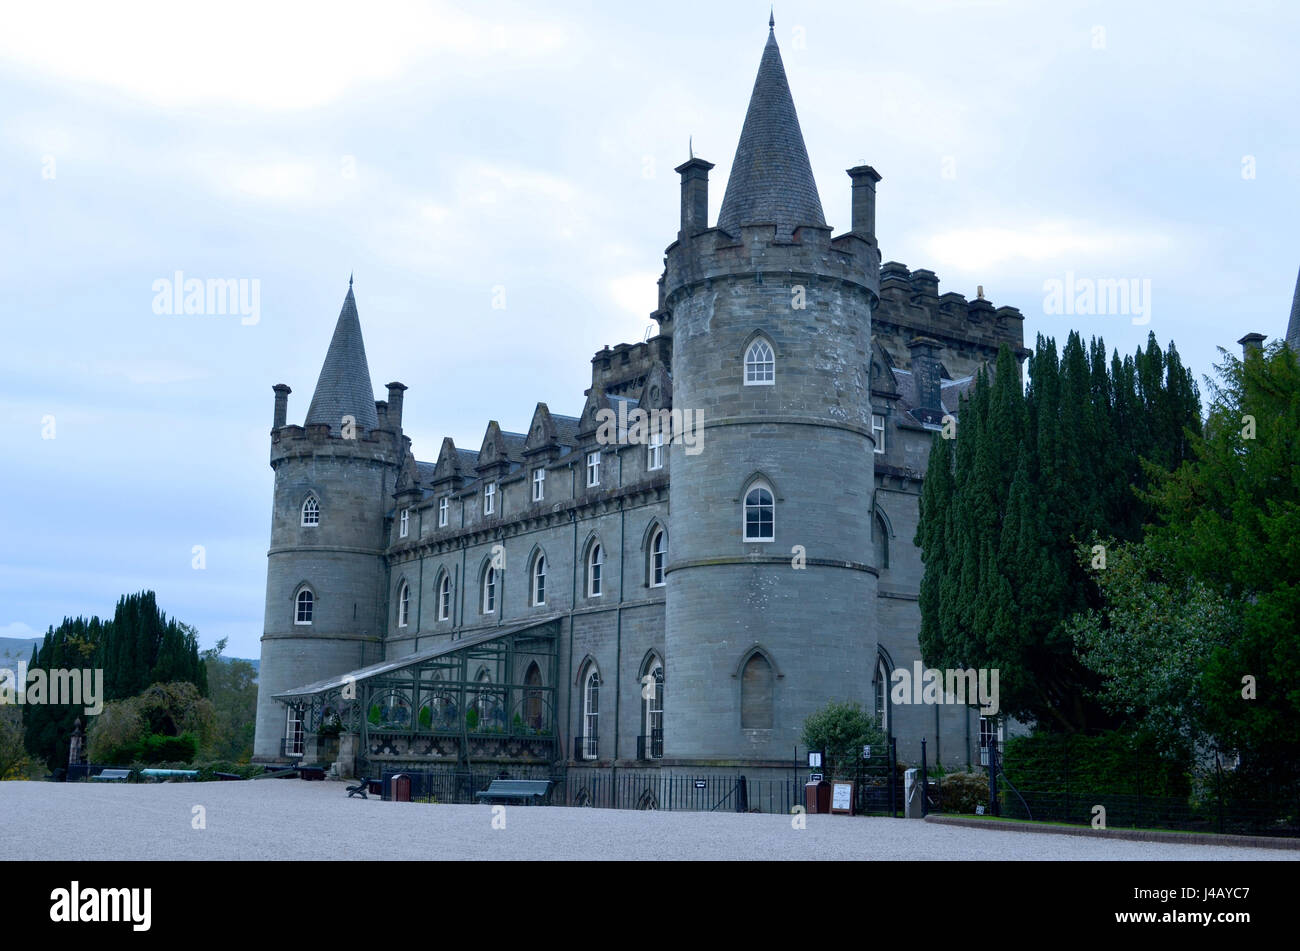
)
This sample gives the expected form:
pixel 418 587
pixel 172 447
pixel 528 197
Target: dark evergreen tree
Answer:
pixel 1032 473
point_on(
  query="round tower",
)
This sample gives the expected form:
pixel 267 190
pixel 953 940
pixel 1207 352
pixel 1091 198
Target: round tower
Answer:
pixel 771 585
pixel 326 576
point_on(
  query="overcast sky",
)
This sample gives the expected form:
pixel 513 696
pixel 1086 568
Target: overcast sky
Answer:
pixel 442 152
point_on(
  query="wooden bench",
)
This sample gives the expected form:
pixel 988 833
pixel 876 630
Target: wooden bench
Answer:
pixel 528 791
pixel 111 776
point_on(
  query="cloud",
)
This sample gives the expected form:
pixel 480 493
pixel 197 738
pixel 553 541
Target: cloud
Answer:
pixel 285 55
pixel 1064 242
pixel 17 629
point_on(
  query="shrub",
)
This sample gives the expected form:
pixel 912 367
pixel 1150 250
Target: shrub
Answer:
pixel 962 792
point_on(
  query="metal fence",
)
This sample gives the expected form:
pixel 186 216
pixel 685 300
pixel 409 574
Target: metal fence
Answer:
pixel 1145 794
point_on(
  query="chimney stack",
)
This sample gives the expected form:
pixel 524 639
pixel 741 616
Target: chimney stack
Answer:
pixel 926 373
pixel 282 392
pixel 864 200
pixel 395 405
pixel 695 194
pixel 1251 343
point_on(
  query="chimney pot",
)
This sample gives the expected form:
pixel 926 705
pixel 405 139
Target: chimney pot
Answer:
pixel 864 200
pixel 695 195
pixel 395 391
pixel 282 392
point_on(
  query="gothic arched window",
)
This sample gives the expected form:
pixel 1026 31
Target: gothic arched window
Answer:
pixel 591 714
pixel 658 557
pixel 311 511
pixel 490 590
pixel 760 513
pixel 595 570
pixel 756 694
pixel 760 364
pixel 444 597
pixel 539 579
pixel 305 605
pixel 403 604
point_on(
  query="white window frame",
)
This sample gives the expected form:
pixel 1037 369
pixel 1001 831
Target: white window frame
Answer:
pixel 539 483
pixel 444 505
pixel 294 731
pixel 878 431
pixel 591 714
pixel 655 452
pixel 310 506
pixel 595 570
pixel 593 469
pixel 758 486
pixel 444 598
pixel 298 603
pixel 538 583
pixel 490 590
pixel 882 693
pixel 991 727
pixel 760 363
pixel 489 498
pixel 658 558
pixel 403 604
pixel 654 706
pixel 404 523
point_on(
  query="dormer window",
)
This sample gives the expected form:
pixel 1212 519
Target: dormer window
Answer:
pixel 539 484
pixel 444 504
pixel 593 469
pixel 760 364
pixel 655 452
pixel 311 511
pixel 489 498
pixel 404 523
pixel 878 431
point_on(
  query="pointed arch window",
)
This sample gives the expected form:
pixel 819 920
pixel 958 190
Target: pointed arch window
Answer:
pixel 305 606
pixel 760 513
pixel 590 744
pixel 490 590
pixel 533 702
pixel 651 745
pixel 444 598
pixel 658 557
pixel 880 535
pixel 539 580
pixel 595 570
pixel 756 694
pixel 311 511
pixel 882 693
pixel 403 604
pixel 760 364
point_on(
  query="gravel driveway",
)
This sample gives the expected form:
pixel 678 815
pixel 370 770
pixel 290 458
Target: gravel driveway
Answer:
pixel 291 819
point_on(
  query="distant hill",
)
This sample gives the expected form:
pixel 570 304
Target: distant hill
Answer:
pixel 14 650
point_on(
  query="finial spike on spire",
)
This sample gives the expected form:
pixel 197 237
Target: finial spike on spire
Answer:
pixel 771 18
pixel 349 280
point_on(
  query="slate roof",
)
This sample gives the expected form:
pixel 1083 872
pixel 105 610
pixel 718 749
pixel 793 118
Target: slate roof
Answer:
pixel 1293 325
pixel 343 388
pixel 771 179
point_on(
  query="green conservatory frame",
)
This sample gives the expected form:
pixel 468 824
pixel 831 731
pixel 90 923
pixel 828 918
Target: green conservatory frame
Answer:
pixel 487 697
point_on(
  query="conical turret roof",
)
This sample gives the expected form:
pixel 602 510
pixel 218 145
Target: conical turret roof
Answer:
pixel 771 179
pixel 344 386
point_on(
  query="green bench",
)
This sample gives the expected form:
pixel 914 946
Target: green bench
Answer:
pixel 528 791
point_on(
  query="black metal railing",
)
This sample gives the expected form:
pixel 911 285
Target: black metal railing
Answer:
pixel 586 747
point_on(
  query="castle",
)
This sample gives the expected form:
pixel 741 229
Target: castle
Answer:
pixel 717 545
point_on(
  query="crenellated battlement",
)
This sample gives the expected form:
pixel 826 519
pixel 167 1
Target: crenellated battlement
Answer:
pixel 315 439
pixel 970 330
pixel 811 252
